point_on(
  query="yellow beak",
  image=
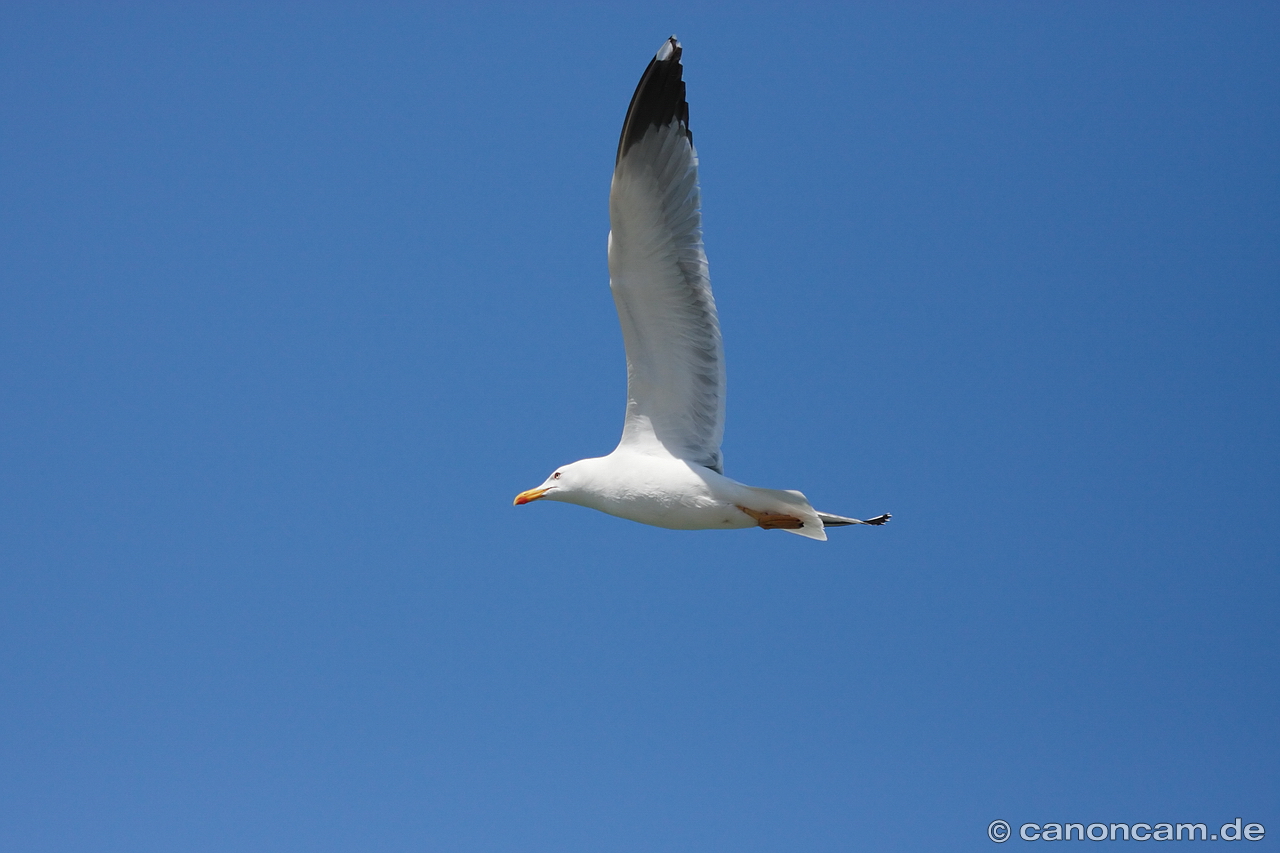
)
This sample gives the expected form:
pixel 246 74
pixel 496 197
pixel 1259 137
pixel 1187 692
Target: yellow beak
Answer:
pixel 531 495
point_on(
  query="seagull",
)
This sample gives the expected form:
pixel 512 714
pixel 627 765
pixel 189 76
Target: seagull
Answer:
pixel 667 470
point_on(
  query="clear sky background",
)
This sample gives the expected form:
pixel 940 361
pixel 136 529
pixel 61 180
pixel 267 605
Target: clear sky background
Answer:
pixel 293 301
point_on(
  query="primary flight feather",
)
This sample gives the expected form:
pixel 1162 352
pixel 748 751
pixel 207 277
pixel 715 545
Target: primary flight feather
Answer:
pixel 668 470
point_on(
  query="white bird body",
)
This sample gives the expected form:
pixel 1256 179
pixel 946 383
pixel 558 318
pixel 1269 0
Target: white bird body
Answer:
pixel 663 491
pixel 667 470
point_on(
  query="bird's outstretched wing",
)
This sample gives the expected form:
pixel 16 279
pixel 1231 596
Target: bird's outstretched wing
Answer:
pixel 658 274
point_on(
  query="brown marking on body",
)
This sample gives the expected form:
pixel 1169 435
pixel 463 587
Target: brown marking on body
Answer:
pixel 774 520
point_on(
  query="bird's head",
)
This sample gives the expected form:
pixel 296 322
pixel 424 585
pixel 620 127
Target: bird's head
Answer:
pixel 566 483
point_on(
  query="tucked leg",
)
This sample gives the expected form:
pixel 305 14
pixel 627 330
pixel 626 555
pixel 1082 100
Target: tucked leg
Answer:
pixel 774 520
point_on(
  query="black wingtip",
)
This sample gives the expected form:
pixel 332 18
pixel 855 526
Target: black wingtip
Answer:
pixel 658 99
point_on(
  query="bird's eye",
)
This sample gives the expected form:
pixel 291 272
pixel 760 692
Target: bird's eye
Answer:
pixel 555 476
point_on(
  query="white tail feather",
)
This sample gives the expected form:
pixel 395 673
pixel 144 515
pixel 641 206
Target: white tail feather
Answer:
pixel 788 502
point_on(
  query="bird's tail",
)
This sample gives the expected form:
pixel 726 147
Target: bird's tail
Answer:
pixel 782 509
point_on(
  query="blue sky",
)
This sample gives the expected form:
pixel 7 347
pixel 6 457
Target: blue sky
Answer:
pixel 294 300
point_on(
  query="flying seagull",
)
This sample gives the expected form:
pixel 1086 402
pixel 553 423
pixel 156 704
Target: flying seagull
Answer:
pixel 667 470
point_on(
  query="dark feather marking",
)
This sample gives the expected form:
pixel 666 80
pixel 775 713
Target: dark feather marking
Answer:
pixel 658 100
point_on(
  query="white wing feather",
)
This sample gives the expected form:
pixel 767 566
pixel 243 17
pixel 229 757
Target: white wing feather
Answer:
pixel 658 274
